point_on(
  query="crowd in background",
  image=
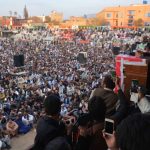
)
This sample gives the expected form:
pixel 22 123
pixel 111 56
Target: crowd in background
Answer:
pixel 51 68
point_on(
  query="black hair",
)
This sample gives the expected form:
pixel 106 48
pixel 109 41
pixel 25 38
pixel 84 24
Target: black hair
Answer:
pixel 52 105
pixel 109 82
pixel 97 108
pixel 134 132
pixel 142 90
pixel 84 119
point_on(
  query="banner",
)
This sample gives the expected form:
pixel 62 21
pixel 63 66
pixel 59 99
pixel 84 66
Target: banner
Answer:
pixel 127 60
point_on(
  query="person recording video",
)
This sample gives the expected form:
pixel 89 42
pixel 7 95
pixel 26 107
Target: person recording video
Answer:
pixel 140 102
pixel 143 103
pixel 133 133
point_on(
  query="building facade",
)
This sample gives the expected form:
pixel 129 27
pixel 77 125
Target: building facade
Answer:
pixel 79 21
pixel 125 16
pixel 56 16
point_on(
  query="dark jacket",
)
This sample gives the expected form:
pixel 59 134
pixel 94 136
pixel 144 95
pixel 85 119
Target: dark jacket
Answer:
pixel 48 130
pixel 122 111
pixel 94 141
pixel 109 97
pixel 59 143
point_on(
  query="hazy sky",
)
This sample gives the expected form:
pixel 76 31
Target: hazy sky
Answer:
pixel 68 7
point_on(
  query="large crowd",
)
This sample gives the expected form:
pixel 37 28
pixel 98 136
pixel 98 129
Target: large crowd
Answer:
pixel 52 74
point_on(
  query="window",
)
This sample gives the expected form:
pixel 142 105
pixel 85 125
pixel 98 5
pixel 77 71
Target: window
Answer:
pixel 130 22
pixel 108 15
pixel 130 17
pixel 148 14
pixel 131 12
pixel 116 23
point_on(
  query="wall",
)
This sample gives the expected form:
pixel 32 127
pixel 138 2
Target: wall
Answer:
pixel 125 15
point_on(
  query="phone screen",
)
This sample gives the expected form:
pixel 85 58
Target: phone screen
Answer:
pixel 109 127
pixel 135 82
pixel 134 85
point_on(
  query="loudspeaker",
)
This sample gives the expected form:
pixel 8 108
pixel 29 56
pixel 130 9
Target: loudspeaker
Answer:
pixel 18 60
pixel 116 50
pixel 82 57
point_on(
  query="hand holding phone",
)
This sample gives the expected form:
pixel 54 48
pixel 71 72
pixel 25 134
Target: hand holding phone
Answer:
pixel 111 141
pixel 109 126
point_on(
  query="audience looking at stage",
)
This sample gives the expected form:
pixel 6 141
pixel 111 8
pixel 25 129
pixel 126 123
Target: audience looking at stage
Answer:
pixel 52 74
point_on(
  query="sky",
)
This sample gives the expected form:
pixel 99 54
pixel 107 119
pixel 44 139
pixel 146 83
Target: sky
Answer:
pixel 68 7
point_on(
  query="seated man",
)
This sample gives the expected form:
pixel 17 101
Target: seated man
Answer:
pixel 5 139
pixel 3 120
pixel 22 128
pixel 143 103
pixel 27 119
pixel 12 127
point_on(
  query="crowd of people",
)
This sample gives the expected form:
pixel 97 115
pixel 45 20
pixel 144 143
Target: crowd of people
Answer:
pixel 54 86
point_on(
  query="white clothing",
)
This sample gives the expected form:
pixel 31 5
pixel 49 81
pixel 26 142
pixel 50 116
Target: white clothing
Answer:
pixel 70 90
pixel 144 105
pixel 29 120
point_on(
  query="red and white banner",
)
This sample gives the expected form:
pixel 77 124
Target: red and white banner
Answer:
pixel 127 60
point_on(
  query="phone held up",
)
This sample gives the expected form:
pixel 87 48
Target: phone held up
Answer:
pixel 109 126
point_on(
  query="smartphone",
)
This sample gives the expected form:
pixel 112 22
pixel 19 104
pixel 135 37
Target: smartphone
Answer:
pixel 109 126
pixel 134 85
pixel 135 82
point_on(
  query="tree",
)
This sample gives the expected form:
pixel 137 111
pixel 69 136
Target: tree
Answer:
pixel 26 15
pixel 139 22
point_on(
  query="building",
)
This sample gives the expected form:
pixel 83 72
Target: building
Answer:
pixel 56 16
pixel 42 18
pixel 74 21
pixel 89 16
pixel 5 21
pixel 12 22
pixel 125 16
pixel 79 21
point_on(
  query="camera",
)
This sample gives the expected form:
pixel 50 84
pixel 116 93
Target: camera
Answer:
pixel 134 86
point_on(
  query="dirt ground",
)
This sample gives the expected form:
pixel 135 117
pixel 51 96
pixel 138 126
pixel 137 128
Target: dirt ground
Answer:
pixel 23 142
